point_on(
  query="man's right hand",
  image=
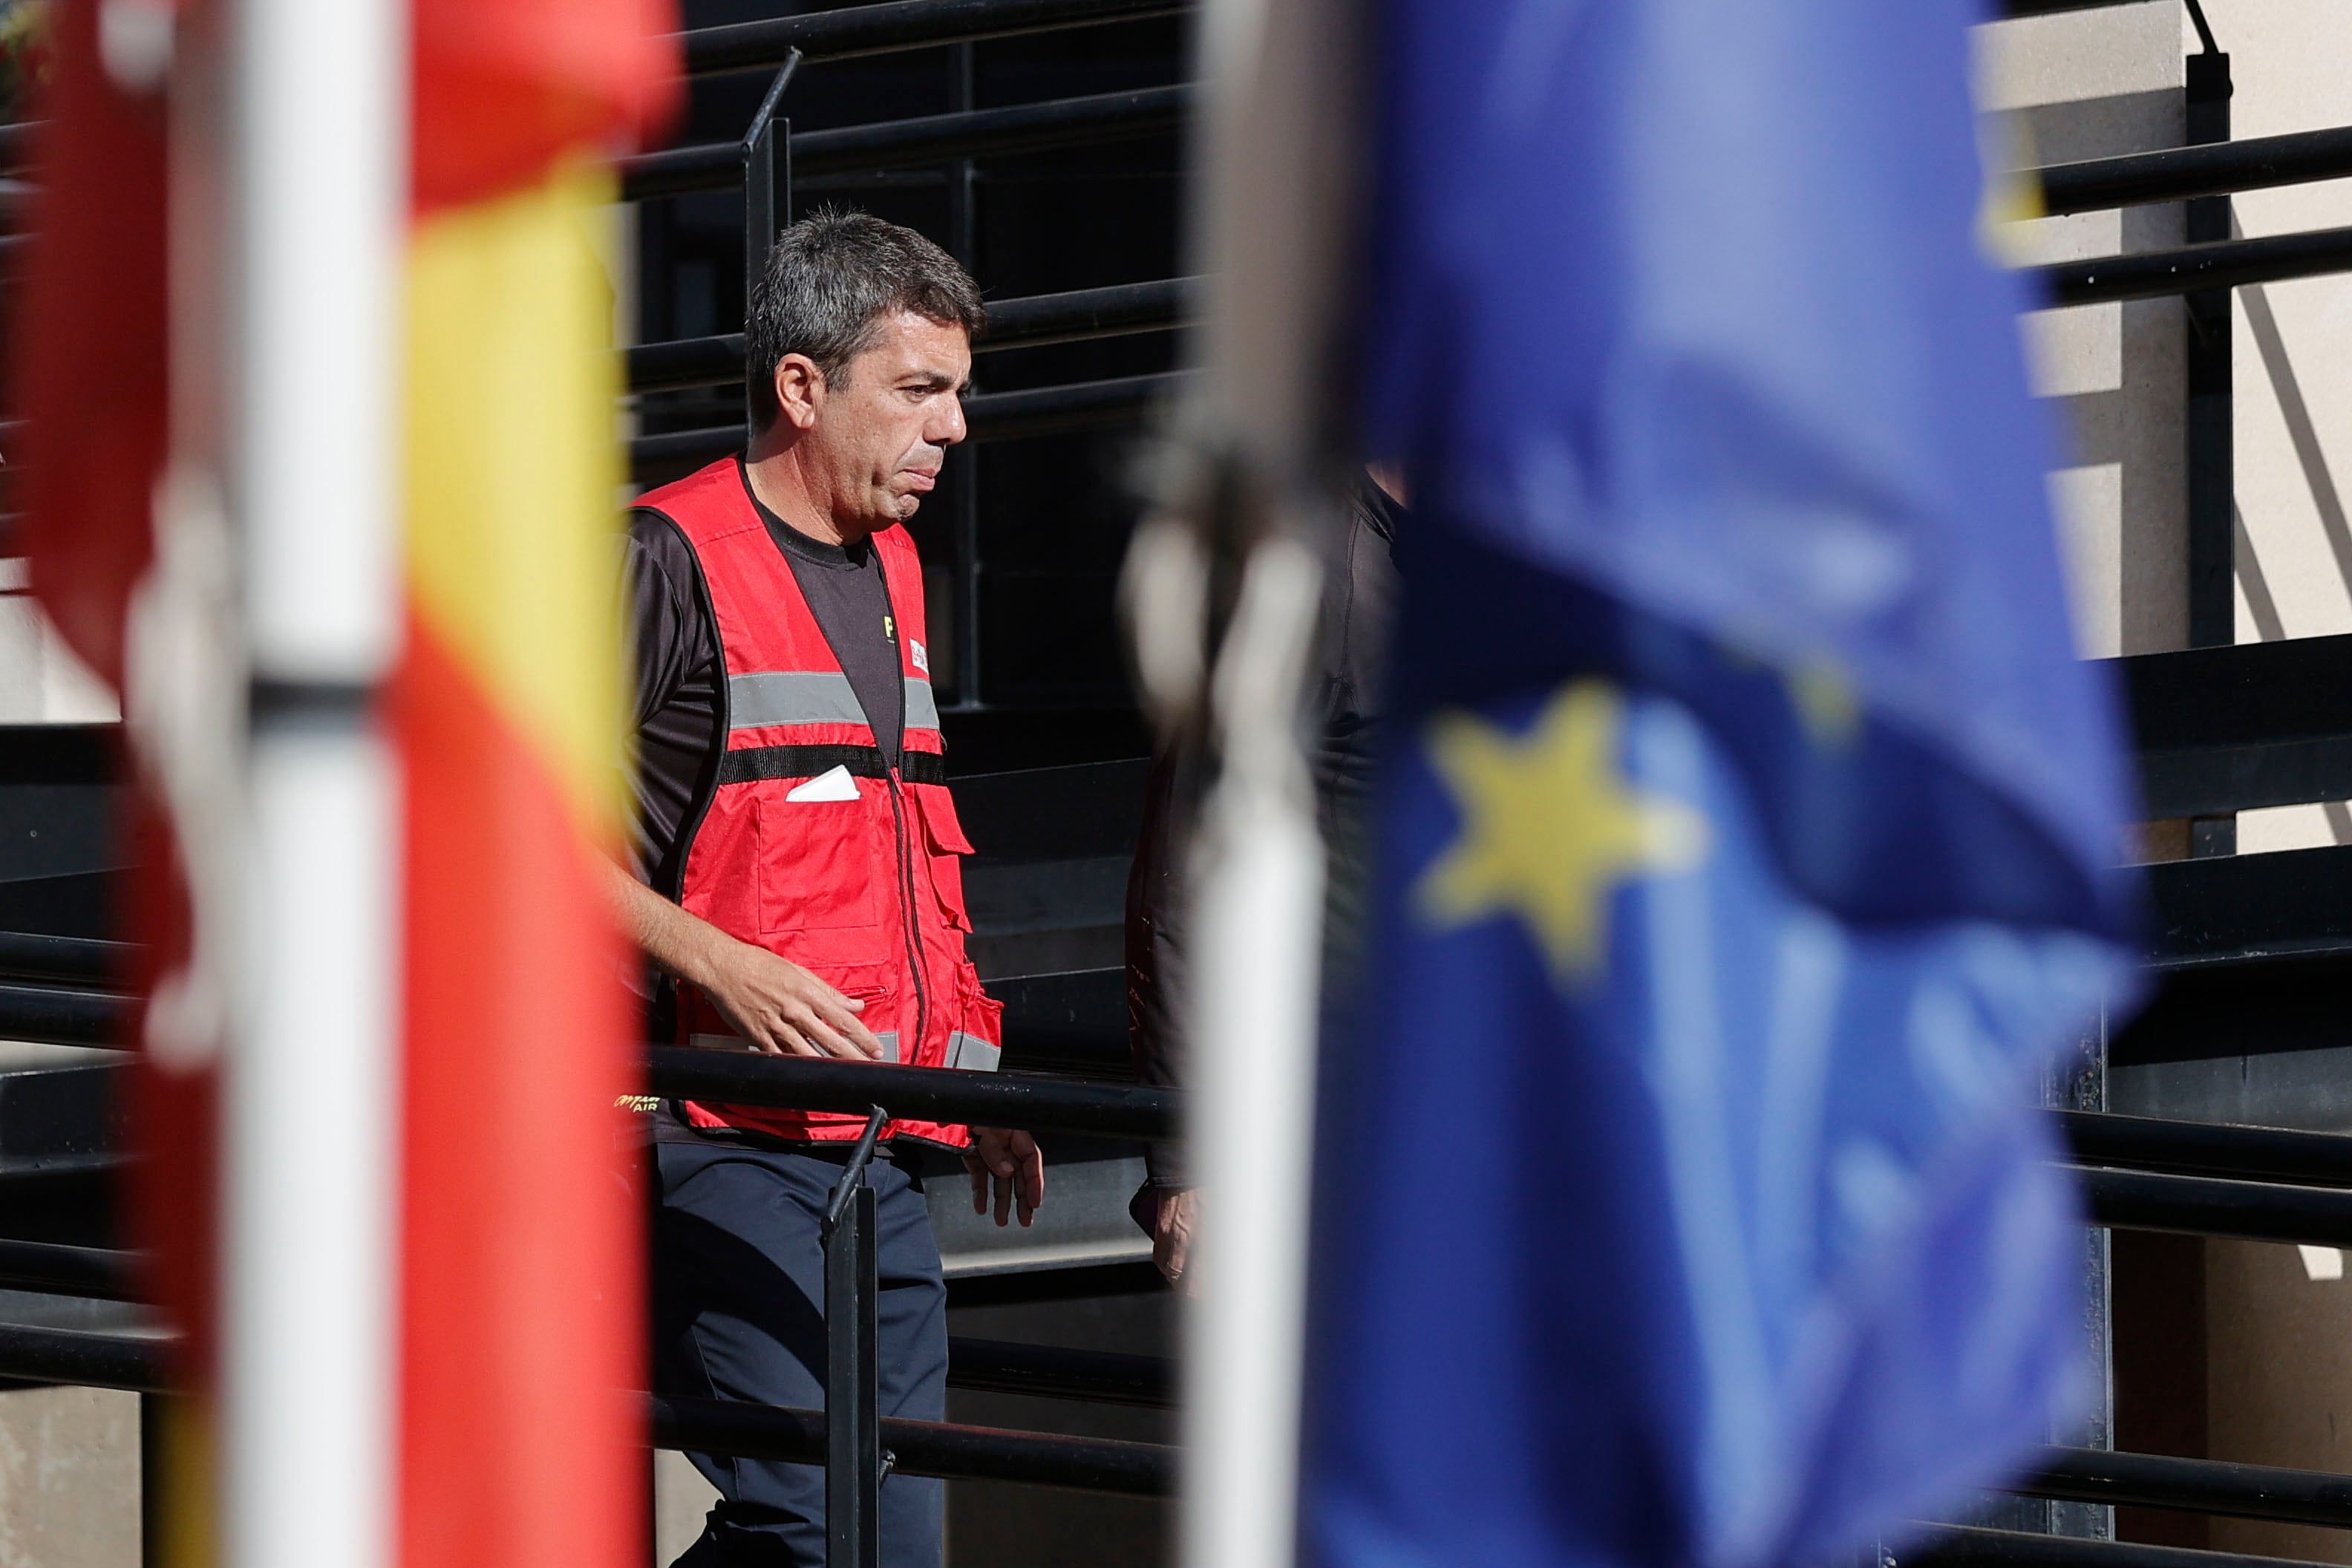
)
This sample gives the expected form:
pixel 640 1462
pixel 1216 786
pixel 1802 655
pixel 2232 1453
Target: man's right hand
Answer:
pixel 781 1009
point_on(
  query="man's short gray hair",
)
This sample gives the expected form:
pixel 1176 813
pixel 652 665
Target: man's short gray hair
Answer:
pixel 832 280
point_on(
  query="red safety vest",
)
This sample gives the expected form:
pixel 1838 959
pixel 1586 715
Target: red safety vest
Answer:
pixel 807 844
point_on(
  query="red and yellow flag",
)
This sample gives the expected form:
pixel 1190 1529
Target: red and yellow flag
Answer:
pixel 519 1310
pixel 521 1306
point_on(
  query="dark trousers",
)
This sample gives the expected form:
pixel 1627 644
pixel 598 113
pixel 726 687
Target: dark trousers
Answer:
pixel 738 1313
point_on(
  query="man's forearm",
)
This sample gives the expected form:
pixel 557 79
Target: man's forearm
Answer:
pixel 773 1003
pixel 681 944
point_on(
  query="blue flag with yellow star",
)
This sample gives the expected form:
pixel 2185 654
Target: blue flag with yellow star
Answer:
pixel 1745 844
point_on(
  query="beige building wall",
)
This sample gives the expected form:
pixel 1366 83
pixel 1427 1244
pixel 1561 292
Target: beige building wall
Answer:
pixel 41 681
pixel 2277 1324
pixel 69 1479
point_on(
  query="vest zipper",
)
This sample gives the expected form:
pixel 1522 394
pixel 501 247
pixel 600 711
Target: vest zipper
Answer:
pixel 912 927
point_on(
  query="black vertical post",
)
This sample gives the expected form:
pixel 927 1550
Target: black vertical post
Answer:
pixel 767 150
pixel 154 1521
pixel 963 244
pixel 2211 457
pixel 853 1417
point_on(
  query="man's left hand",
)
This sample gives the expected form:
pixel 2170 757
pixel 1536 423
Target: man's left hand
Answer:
pixel 1009 1162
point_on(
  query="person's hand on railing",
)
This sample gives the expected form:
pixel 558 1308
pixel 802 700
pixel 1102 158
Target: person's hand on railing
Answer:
pixel 1009 1162
pixel 784 1010
pixel 779 1009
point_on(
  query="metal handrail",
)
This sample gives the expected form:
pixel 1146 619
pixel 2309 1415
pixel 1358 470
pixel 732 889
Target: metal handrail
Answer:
pixel 928 138
pixel 2212 169
pixel 84 1359
pixel 140 1363
pixel 2210 1205
pixel 1952 1546
pixel 1053 1371
pixel 76 961
pixel 939 1448
pixel 55 1015
pixel 939 1094
pixel 2185 270
pixel 852 31
pixel 55 1268
pixel 2193 1486
pixel 976 1453
pixel 2208 1148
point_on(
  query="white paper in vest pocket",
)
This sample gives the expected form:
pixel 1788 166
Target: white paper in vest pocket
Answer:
pixel 833 784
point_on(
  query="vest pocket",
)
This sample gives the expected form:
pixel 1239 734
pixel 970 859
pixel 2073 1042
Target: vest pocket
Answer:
pixel 976 1044
pixel 943 839
pixel 824 864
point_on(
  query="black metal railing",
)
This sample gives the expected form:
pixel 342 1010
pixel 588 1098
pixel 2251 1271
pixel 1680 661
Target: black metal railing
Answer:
pixel 1949 1547
pixel 2188 268
pixel 2182 173
pixel 852 31
pixel 929 138
pixel 1033 321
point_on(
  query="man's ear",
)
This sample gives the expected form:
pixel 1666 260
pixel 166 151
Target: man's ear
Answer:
pixel 800 388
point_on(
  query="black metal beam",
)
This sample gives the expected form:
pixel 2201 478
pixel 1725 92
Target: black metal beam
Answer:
pixel 2241 726
pixel 72 959
pixel 55 1015
pixel 997 1367
pixel 2239 1006
pixel 992 133
pixel 995 1099
pixel 2014 8
pixel 2209 1206
pixel 2225 264
pixel 2196 1486
pixel 87 1360
pixel 1031 321
pixel 1078 405
pixel 697 1426
pixel 2180 174
pixel 682 363
pixel 92 1273
pixel 1051 1372
pixel 1951 1547
pixel 2238 908
pixel 991 416
pixel 921 1447
pixel 2211 1148
pixel 930 139
pixel 1081 314
pixel 856 30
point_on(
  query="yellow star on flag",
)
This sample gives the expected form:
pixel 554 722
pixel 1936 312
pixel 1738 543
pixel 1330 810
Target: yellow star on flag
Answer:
pixel 1550 828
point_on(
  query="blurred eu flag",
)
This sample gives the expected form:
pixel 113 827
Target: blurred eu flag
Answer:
pixel 1746 837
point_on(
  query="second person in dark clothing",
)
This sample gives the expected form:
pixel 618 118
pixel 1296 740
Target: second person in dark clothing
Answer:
pixel 1359 597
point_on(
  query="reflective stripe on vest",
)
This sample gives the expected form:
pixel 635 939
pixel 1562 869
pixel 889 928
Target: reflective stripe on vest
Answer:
pixel 768 697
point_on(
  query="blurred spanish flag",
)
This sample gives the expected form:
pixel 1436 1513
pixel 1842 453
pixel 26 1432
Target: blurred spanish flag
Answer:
pixel 521 1304
pixel 517 1318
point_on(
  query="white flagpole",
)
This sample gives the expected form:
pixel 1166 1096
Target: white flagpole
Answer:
pixel 317 204
pixel 1272 229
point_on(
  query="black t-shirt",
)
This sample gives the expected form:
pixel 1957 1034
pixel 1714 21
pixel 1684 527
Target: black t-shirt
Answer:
pixel 677 669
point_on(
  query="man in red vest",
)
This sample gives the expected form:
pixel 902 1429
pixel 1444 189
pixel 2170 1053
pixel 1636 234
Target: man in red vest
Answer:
pixel 799 877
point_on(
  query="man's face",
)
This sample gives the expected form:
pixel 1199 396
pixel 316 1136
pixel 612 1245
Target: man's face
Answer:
pixel 883 425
